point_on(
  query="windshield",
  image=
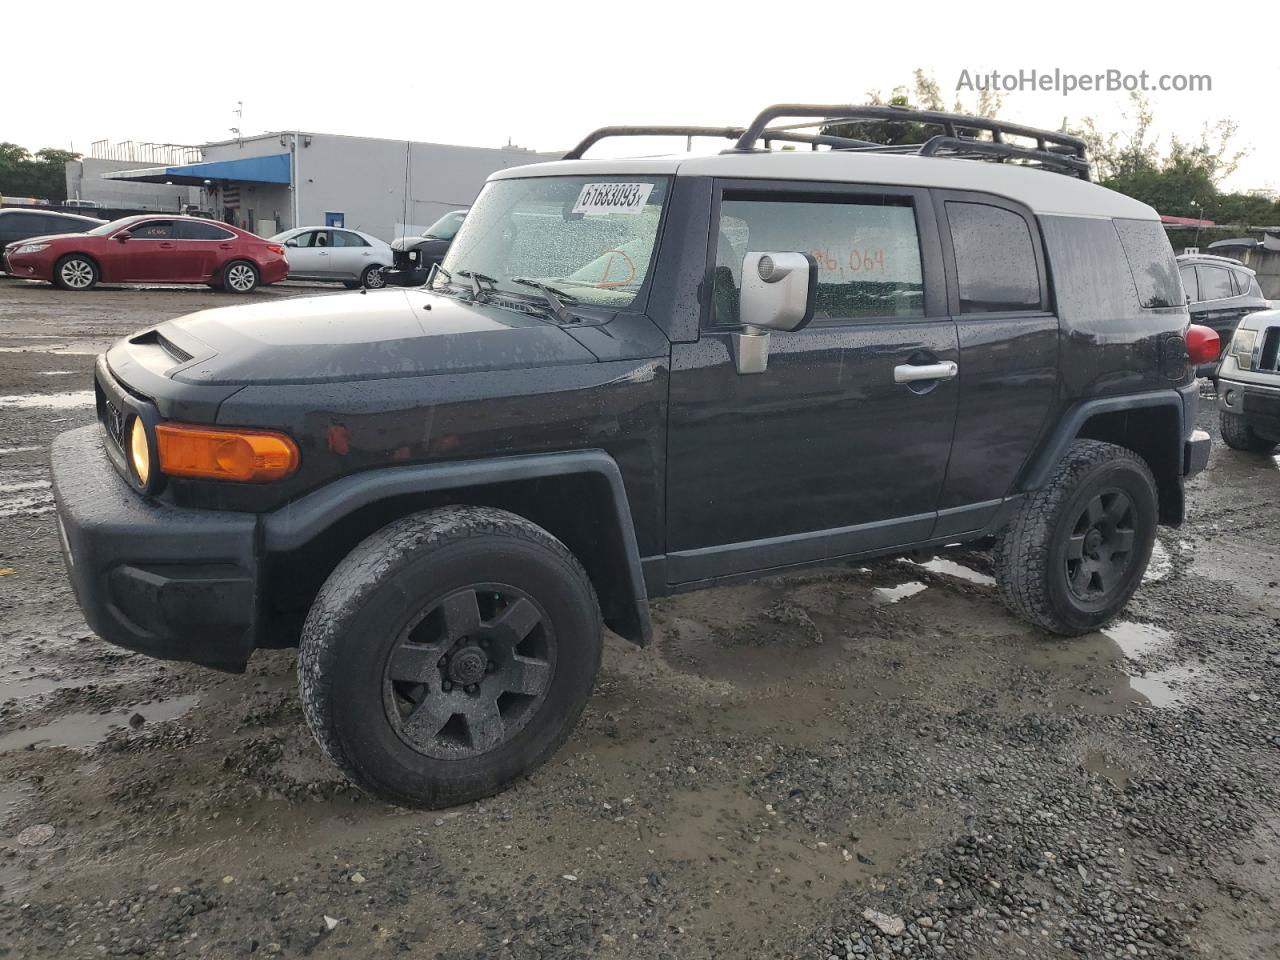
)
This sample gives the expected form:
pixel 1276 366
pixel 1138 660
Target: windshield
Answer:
pixel 109 228
pixel 591 238
pixel 447 226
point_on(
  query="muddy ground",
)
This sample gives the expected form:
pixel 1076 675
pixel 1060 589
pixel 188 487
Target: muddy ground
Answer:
pixel 786 756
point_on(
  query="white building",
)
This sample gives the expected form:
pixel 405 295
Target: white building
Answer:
pixel 274 181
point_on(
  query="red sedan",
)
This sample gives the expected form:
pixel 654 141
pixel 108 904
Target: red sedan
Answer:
pixel 150 249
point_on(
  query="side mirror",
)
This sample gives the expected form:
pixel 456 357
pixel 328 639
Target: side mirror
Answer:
pixel 124 235
pixel 291 242
pixel 778 293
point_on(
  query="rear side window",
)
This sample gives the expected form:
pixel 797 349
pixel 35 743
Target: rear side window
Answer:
pixel 1215 283
pixel 867 250
pixel 343 238
pixel 995 259
pixel 1151 261
pixel 190 230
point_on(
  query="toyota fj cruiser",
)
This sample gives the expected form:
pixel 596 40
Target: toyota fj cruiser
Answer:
pixel 631 378
pixel 1249 385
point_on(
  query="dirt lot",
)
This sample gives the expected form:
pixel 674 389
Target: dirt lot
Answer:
pixel 786 756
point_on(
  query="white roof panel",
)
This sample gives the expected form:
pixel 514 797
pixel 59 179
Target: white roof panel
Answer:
pixel 1044 192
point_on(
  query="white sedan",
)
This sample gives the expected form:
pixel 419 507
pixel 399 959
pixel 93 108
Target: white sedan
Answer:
pixel 335 253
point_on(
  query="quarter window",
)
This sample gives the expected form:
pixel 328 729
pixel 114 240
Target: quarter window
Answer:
pixel 995 259
pixel 867 250
pixel 1215 283
pixel 1151 262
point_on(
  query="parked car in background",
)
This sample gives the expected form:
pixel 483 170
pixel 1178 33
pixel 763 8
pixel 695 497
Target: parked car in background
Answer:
pixel 86 204
pixel 16 224
pixel 1220 292
pixel 151 249
pixel 415 256
pixel 1249 385
pixel 333 253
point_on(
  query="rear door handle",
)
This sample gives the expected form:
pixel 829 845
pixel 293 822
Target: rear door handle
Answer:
pixel 915 372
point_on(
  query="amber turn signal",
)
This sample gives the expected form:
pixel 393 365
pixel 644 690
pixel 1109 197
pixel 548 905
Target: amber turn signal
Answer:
pixel 249 456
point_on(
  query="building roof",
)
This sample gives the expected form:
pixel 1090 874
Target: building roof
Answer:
pixel 1041 191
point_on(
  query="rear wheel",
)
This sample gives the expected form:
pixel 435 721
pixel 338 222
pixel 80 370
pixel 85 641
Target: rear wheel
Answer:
pixel 448 654
pixel 1238 435
pixel 1076 550
pixel 239 276
pixel 75 272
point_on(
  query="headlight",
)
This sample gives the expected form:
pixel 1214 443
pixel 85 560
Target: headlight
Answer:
pixel 31 248
pixel 1242 348
pixel 140 451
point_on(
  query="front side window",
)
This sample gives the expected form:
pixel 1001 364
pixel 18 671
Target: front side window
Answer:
pixel 1215 283
pixel 591 238
pixel 1188 275
pixel 866 248
pixel 153 230
pixel 995 259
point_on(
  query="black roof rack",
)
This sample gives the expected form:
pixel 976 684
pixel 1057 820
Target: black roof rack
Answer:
pixel 1053 149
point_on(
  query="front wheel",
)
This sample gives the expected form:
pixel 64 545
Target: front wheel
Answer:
pixel 372 278
pixel 75 272
pixel 448 654
pixel 1238 435
pixel 239 276
pixel 1076 550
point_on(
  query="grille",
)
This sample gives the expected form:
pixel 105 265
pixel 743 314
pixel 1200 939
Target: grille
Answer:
pixel 1268 359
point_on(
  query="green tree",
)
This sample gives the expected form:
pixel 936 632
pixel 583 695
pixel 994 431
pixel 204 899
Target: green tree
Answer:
pixel 41 175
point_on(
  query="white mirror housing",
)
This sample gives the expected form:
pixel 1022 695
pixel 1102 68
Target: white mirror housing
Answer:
pixel 778 293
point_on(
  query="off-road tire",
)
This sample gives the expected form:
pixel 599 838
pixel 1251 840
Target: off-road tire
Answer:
pixel 1238 435
pixel 1030 554
pixel 358 616
pixel 81 267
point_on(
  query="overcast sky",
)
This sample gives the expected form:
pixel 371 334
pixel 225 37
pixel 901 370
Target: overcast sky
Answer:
pixel 471 74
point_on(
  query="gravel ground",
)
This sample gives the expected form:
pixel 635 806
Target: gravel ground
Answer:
pixel 860 761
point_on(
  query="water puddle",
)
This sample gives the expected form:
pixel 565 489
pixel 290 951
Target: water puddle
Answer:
pixel 82 731
pixel 27 449
pixel 1136 640
pixel 1105 766
pixel 20 689
pixel 47 401
pixel 77 348
pixel 58 373
pixel 882 596
pixel 1167 688
pixel 952 569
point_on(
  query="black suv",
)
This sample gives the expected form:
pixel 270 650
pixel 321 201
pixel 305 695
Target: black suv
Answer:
pixel 631 378
pixel 1220 293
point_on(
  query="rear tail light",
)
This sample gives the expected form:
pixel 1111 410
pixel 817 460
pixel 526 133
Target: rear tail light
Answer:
pixel 1203 345
pixel 248 456
pixel 275 248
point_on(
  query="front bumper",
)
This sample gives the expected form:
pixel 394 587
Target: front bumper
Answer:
pixel 1258 404
pixel 169 582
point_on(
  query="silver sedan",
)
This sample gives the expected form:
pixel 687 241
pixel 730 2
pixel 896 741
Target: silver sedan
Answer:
pixel 353 257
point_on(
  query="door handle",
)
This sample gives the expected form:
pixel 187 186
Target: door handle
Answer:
pixel 166 246
pixel 914 372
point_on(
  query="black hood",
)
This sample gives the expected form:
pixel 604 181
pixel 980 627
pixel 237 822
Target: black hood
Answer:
pixel 369 336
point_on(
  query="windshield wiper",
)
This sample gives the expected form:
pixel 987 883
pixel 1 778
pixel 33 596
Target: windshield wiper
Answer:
pixel 436 268
pixel 476 279
pixel 555 298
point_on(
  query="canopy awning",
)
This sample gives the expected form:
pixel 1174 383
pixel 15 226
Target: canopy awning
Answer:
pixel 270 169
